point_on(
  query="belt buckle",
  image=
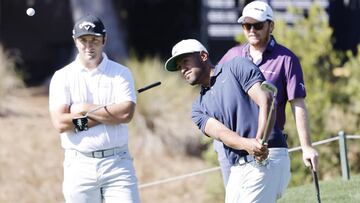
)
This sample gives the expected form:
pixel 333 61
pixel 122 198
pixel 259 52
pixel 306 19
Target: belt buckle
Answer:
pixel 109 152
pixel 242 161
pixel 98 154
pixel 103 153
pixel 245 159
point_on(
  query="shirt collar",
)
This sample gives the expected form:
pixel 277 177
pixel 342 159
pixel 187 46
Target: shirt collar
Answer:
pixel 101 67
pixel 217 71
pixel 271 45
pixel 269 48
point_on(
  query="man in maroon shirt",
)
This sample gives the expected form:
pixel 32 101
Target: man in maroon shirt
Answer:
pixel 279 66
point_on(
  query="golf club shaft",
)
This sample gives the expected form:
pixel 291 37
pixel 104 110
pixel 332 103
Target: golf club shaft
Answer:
pixel 316 182
pixel 271 88
pixel 317 187
pixel 147 87
pixel 267 127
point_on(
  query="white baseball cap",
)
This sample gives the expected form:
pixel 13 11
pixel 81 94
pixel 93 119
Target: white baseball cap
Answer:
pixel 183 47
pixel 258 10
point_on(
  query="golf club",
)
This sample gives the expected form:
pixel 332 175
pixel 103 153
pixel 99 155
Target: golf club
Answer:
pixel 269 87
pixel 316 182
pixel 81 123
pixel 149 86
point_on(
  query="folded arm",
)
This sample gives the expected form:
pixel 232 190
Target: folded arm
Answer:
pixel 110 114
pixel 63 115
pixel 62 118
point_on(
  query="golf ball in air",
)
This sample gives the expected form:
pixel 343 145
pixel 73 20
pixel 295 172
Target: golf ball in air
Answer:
pixel 30 12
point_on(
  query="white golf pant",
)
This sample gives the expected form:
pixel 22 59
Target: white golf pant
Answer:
pixel 251 182
pixel 94 180
pixel 223 161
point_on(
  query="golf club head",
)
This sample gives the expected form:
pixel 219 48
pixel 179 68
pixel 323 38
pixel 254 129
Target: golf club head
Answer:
pixel 269 87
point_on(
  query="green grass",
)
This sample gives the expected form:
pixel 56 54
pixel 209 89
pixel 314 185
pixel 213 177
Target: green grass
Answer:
pixel 332 191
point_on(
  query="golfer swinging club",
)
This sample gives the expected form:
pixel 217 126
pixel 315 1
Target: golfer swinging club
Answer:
pixel 233 109
pixel 282 68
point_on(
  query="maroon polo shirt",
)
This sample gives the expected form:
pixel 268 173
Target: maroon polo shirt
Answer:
pixel 280 66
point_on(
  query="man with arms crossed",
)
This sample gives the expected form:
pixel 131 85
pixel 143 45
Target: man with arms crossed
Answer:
pixel 97 165
pixel 279 66
pixel 233 109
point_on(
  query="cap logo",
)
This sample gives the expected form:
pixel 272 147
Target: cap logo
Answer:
pixel 262 10
pixel 86 25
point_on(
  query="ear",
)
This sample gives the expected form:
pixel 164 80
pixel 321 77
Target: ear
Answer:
pixel 204 56
pixel 104 40
pixel 74 39
pixel 272 26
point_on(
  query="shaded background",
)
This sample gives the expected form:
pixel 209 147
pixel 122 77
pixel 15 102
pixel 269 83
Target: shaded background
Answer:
pixel 143 27
pixel 164 142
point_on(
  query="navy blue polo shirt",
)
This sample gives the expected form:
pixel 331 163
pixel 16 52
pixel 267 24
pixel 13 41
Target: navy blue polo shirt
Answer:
pixel 226 100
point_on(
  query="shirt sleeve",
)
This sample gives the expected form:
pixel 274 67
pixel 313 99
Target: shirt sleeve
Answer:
pixel 199 116
pixel 58 91
pixel 246 72
pixel 294 78
pixel 125 87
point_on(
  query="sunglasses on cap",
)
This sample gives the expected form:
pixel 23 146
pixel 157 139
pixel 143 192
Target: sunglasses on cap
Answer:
pixel 256 26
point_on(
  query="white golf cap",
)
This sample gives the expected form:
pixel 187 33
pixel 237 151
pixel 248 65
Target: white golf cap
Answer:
pixel 183 47
pixel 257 10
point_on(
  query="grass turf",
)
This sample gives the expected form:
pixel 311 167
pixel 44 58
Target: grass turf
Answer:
pixel 331 191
